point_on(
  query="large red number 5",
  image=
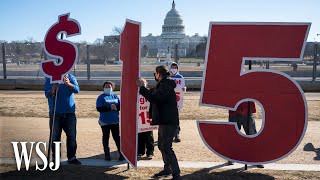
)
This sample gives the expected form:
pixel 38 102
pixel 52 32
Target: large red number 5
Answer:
pixel 226 86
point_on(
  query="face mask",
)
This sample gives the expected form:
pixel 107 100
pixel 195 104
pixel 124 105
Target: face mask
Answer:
pixel 154 74
pixel 107 90
pixel 174 71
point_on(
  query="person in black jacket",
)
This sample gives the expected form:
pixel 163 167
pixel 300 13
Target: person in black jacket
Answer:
pixel 164 112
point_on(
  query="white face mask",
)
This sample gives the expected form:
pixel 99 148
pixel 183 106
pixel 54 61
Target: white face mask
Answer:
pixel 107 90
pixel 174 71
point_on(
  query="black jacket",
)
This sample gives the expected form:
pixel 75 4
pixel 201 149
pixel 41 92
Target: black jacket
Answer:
pixel 163 103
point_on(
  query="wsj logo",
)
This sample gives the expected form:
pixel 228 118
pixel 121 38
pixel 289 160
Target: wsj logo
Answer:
pixel 27 157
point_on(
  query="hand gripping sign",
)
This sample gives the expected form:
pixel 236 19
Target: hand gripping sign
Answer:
pixel 64 50
pixel 130 55
pixel 226 86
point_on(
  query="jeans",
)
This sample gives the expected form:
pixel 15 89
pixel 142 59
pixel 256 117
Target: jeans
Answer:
pixel 243 121
pixel 66 122
pixel 145 141
pixel 114 128
pixel 165 138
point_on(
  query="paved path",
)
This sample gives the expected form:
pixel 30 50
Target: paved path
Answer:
pixel 183 164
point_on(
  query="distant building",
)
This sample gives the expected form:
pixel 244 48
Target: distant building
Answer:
pixel 173 32
pixel 111 39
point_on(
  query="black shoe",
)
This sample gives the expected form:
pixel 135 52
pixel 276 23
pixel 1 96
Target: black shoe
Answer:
pixel 74 161
pixel 121 158
pixel 177 139
pixel 150 156
pixel 230 163
pixel 164 172
pixel 140 155
pixel 177 177
pixel 260 166
pixel 107 157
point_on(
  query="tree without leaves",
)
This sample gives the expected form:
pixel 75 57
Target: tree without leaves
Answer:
pixel 201 48
pixel 144 51
pixel 116 31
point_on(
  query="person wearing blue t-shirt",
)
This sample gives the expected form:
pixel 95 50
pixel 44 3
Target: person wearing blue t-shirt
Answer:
pixel 108 104
pixel 65 117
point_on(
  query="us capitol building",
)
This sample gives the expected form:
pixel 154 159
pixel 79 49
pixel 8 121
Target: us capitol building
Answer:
pixel 173 35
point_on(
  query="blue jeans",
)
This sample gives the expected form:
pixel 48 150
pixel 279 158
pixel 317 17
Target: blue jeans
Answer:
pixel 66 122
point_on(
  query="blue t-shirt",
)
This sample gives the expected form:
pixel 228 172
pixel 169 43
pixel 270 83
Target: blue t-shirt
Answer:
pixel 177 76
pixel 109 117
pixel 65 98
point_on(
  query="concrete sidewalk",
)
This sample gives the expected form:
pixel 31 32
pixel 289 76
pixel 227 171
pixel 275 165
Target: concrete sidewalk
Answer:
pixel 182 164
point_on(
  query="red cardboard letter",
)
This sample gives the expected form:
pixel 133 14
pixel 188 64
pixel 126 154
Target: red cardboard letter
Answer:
pixel 130 55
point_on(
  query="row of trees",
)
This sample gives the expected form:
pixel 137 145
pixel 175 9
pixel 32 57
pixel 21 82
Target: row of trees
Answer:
pixel 100 51
pixel 33 52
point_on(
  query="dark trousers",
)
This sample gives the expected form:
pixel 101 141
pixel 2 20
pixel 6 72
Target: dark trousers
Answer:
pixel 66 122
pixel 246 122
pixel 114 128
pixel 145 141
pixel 177 134
pixel 165 138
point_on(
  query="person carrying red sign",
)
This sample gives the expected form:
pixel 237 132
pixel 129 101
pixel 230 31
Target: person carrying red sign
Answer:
pixel 240 116
pixel 244 118
pixel 62 114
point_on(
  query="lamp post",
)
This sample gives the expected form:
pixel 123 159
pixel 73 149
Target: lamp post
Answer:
pixel 315 59
pixel 176 53
pixel 4 61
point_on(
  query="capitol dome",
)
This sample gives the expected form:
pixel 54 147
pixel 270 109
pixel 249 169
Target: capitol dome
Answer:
pixel 173 23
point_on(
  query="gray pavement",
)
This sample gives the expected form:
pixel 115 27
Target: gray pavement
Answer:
pixel 182 164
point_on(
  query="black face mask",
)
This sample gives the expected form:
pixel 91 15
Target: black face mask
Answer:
pixel 154 74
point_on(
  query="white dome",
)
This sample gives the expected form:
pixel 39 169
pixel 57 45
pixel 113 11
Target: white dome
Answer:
pixel 173 23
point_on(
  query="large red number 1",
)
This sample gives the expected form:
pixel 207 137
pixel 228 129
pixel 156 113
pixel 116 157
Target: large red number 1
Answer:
pixel 129 54
pixel 226 86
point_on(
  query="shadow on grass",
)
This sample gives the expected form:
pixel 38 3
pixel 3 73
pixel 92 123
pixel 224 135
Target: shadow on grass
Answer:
pixel 214 173
pixel 114 156
pixel 309 147
pixel 88 170
pixel 64 172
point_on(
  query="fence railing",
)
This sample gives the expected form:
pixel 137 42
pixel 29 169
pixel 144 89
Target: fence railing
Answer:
pixel 22 61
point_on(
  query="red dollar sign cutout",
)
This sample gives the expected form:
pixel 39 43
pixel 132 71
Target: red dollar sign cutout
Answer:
pixel 64 50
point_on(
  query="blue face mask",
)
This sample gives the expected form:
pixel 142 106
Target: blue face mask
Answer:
pixel 107 90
